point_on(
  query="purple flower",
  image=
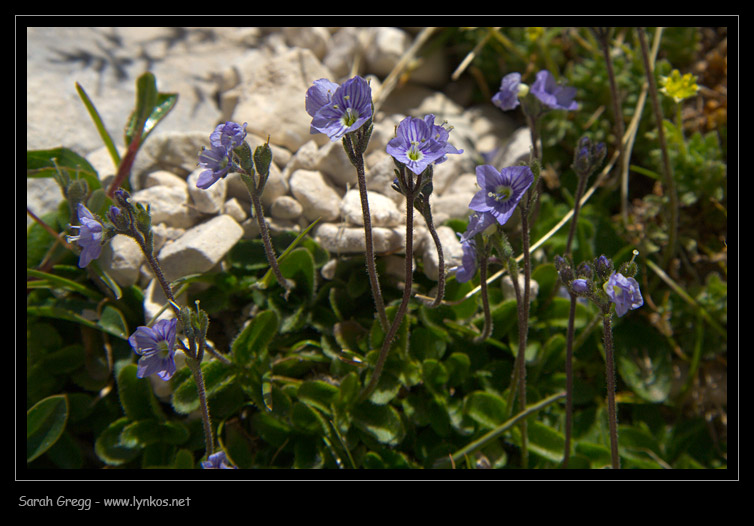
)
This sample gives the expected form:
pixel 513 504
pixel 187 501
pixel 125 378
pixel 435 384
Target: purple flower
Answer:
pixel 217 160
pixel 624 292
pixel 500 191
pixel 507 97
pixel 337 110
pixel 217 163
pixel 552 94
pixel 419 143
pixel 229 135
pixel 90 236
pixel 468 267
pixel 478 223
pixel 217 461
pixel 155 346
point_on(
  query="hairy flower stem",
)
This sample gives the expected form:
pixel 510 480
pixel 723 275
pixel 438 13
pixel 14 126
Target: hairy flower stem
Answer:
pixel 427 214
pixel 487 330
pixel 607 326
pixel 523 326
pixel 196 371
pixel 399 315
pixel 357 160
pixel 265 233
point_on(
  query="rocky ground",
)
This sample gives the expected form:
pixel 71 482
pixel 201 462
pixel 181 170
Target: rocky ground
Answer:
pixel 259 76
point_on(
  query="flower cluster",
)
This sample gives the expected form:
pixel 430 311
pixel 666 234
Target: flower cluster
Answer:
pixel 337 110
pixel 604 286
pixel 218 159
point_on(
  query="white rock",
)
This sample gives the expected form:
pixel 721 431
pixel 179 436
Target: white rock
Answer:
pixel 451 249
pixel 339 239
pixel 272 91
pixel 286 207
pixel 163 178
pixel 385 49
pixel 177 152
pixel 168 204
pixel 200 248
pixel 382 210
pixel 516 149
pixel 121 259
pixel 209 201
pixel 314 38
pixel 155 300
pixel 342 49
pixel 332 160
pixel 236 210
pixel 316 196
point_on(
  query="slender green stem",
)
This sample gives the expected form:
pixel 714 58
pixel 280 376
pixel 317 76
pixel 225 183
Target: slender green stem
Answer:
pixel 399 315
pixel 610 379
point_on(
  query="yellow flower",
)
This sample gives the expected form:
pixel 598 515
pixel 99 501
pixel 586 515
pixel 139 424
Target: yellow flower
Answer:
pixel 534 33
pixel 679 87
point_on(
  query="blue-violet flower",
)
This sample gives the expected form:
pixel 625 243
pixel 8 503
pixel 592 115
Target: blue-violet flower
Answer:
pixel 478 222
pixel 217 163
pixel 507 97
pixel 90 236
pixel 469 263
pixel 500 191
pixel 552 94
pixel 155 345
pixel 337 110
pixel 229 135
pixel 217 461
pixel 624 292
pixel 419 143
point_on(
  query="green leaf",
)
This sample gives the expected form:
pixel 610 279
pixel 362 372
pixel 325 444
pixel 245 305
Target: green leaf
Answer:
pixel 485 408
pixel 146 100
pixel 39 163
pixel 104 135
pixel 51 281
pixel 151 431
pixel 299 266
pixel 45 422
pixel 318 394
pixel 165 103
pixel 113 322
pixel 255 337
pixel 136 397
pixel 381 422
pixel 109 448
pixel 643 360
pixel 216 375
pixel 545 441
pixel 307 419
